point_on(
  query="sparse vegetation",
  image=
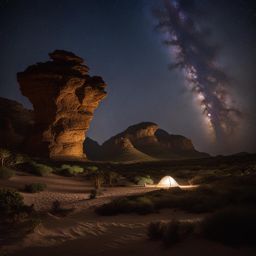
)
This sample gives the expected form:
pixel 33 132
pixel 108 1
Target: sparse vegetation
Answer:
pixel 143 180
pixel 170 232
pixel 58 210
pixel 35 187
pixel 231 191
pixel 98 178
pixel 156 230
pixel 140 205
pixel 4 155
pixel 39 169
pixel 70 170
pixel 92 168
pixel 11 202
pixel 12 207
pixel 111 177
pixel 95 193
pixel 6 173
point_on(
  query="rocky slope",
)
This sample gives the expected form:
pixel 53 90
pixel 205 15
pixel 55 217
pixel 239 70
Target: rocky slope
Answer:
pixel 64 98
pixel 15 123
pixel 146 141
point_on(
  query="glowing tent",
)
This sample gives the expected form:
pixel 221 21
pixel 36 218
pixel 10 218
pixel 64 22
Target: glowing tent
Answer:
pixel 167 182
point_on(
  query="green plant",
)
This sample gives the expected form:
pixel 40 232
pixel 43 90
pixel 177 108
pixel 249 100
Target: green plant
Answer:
pixel 92 168
pixel 4 154
pixel 19 159
pixel 139 180
pixel 6 173
pixel 11 202
pixel 40 169
pixel 71 170
pixel 35 187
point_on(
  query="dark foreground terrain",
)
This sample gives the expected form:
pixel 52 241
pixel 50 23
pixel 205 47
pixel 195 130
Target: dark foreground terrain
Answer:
pixel 97 208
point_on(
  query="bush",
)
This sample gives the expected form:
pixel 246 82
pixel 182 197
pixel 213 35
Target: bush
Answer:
pixel 170 232
pixel 70 170
pixel 11 202
pixel 143 205
pixel 142 181
pixel 6 173
pixel 231 226
pixel 140 205
pixel 156 230
pixel 92 168
pixel 4 155
pixel 95 193
pixel 35 187
pixel 58 210
pixel 40 169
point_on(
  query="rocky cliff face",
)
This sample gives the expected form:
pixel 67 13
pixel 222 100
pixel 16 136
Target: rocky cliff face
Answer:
pixel 15 123
pixel 146 141
pixel 64 98
pixel 92 149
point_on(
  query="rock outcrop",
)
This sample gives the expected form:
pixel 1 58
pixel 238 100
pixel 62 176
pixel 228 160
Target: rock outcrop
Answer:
pixel 16 123
pixel 92 149
pixel 64 98
pixel 146 141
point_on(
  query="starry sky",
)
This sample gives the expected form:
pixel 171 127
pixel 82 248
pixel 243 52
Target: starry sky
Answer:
pixel 119 41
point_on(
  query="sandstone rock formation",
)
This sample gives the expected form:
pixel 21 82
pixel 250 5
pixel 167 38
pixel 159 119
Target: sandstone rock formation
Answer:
pixel 15 123
pixel 64 98
pixel 146 141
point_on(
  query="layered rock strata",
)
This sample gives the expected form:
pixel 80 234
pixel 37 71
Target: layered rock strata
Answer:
pixel 64 98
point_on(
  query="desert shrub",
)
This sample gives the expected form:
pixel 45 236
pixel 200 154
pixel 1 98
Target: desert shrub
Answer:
pixel 6 173
pixel 92 168
pixel 111 177
pixel 35 187
pixel 4 155
pixel 170 232
pixel 56 206
pixel 94 193
pixel 39 169
pixel 143 205
pixel 139 180
pixel 231 226
pixel 140 205
pixel 156 230
pixel 11 202
pixel 58 210
pixel 70 170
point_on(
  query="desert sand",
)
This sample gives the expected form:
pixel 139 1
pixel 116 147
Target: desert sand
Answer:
pixel 83 232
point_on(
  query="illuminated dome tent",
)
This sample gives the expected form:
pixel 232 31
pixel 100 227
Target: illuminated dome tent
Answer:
pixel 167 182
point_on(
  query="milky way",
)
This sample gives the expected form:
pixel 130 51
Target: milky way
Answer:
pixel 197 58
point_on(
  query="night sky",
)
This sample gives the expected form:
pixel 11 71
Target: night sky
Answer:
pixel 119 41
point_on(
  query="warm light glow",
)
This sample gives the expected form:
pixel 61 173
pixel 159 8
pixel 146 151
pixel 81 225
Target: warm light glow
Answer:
pixel 167 182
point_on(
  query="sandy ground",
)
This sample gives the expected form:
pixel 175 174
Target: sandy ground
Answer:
pixel 85 233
